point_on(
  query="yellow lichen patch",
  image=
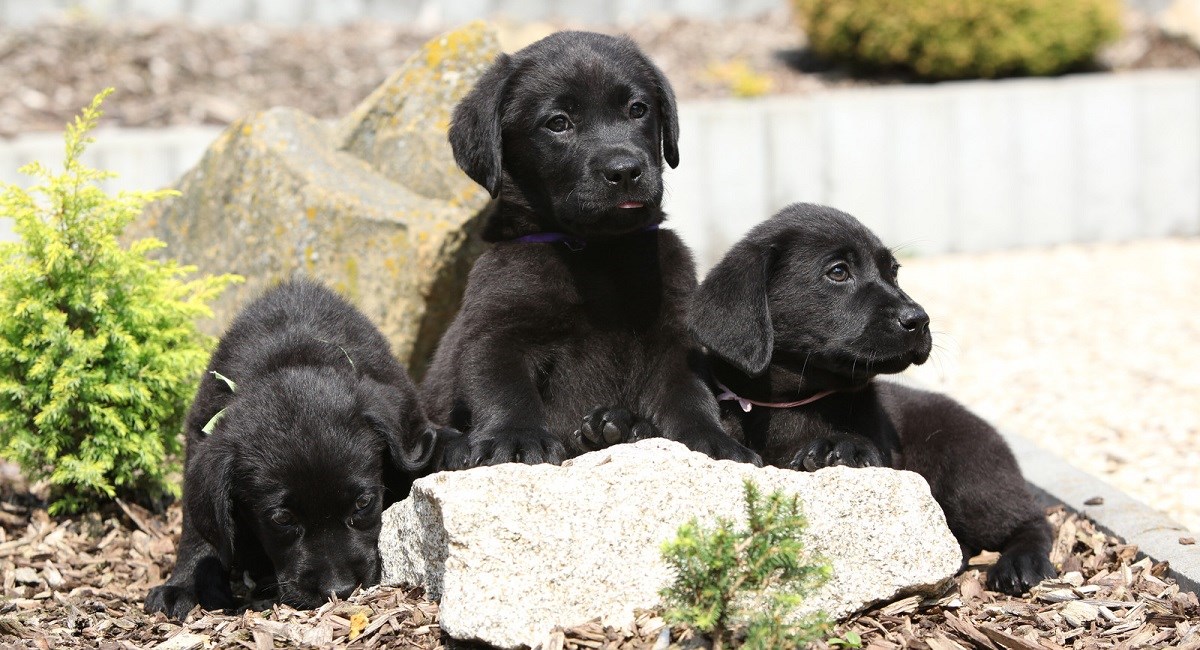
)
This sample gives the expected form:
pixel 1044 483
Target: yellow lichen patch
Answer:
pixel 361 204
pixel 454 42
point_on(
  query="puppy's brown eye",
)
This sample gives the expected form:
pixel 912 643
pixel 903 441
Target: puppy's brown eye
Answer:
pixel 838 273
pixel 364 501
pixel 637 110
pixel 283 518
pixel 558 123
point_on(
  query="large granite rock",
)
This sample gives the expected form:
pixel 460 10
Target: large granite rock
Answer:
pixel 513 550
pixel 373 205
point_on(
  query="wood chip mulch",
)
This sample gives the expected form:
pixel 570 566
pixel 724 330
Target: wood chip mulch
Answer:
pixel 1105 598
pixel 181 72
pixel 79 583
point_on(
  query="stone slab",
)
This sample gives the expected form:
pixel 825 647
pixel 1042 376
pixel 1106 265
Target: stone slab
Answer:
pixel 513 550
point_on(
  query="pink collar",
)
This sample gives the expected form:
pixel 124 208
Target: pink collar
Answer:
pixel 727 395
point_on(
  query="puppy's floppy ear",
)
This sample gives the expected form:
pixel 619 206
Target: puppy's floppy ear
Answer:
pixel 668 116
pixel 395 415
pixel 475 132
pixel 730 315
pixel 207 495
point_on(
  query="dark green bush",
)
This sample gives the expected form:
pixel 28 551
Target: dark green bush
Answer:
pixel 99 351
pixel 954 39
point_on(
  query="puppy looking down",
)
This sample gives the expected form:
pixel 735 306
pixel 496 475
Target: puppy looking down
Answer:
pixel 571 334
pixel 304 429
pixel 798 319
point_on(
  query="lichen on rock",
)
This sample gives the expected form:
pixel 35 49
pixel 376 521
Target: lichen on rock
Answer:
pixel 373 205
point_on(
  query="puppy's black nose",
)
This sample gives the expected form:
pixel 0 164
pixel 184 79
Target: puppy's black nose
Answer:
pixel 913 319
pixel 622 171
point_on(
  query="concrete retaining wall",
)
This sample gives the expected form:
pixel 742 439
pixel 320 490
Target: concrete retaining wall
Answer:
pixel 963 166
pixel 427 14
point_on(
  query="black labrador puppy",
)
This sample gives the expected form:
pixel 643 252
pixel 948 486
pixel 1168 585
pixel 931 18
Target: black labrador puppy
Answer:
pixel 571 334
pixel 798 319
pixel 303 430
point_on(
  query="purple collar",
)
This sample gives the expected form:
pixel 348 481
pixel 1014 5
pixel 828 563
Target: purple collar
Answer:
pixel 727 395
pixel 574 243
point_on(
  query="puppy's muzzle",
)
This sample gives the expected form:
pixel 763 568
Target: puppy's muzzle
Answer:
pixel 913 320
pixel 621 172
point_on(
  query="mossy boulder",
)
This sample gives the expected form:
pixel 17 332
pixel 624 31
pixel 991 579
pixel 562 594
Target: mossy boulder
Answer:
pixel 373 205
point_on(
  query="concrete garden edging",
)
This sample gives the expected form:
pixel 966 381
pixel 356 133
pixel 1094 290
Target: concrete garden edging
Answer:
pixel 1156 535
pixel 960 166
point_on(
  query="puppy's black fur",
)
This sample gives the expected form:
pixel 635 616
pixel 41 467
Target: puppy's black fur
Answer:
pixel 807 302
pixel 318 431
pixel 562 347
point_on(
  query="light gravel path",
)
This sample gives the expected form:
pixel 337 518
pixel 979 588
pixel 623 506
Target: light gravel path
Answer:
pixel 1090 351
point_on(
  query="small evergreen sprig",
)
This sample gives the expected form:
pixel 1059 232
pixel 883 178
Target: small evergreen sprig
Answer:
pixel 99 351
pixel 747 584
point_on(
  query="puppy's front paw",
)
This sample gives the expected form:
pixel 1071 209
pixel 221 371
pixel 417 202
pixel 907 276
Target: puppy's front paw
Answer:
pixel 610 425
pixel 173 600
pixel 719 446
pixel 529 446
pixel 849 451
pixel 454 454
pixel 1019 570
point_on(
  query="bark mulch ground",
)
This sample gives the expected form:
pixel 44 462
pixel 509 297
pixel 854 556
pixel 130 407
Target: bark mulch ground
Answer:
pixel 79 583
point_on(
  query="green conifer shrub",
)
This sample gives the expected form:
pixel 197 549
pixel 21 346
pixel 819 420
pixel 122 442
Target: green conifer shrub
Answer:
pixel 745 584
pixel 955 39
pixel 99 351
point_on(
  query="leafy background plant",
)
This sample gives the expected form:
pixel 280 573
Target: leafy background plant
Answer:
pixel 745 585
pixel 99 351
pixel 953 39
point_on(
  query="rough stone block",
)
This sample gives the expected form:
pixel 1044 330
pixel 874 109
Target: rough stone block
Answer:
pixel 513 550
pixel 373 205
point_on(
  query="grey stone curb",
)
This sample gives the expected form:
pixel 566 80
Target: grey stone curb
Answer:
pixel 1156 535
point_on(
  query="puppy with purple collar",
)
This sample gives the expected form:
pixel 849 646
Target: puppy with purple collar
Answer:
pixel 797 321
pixel 571 334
